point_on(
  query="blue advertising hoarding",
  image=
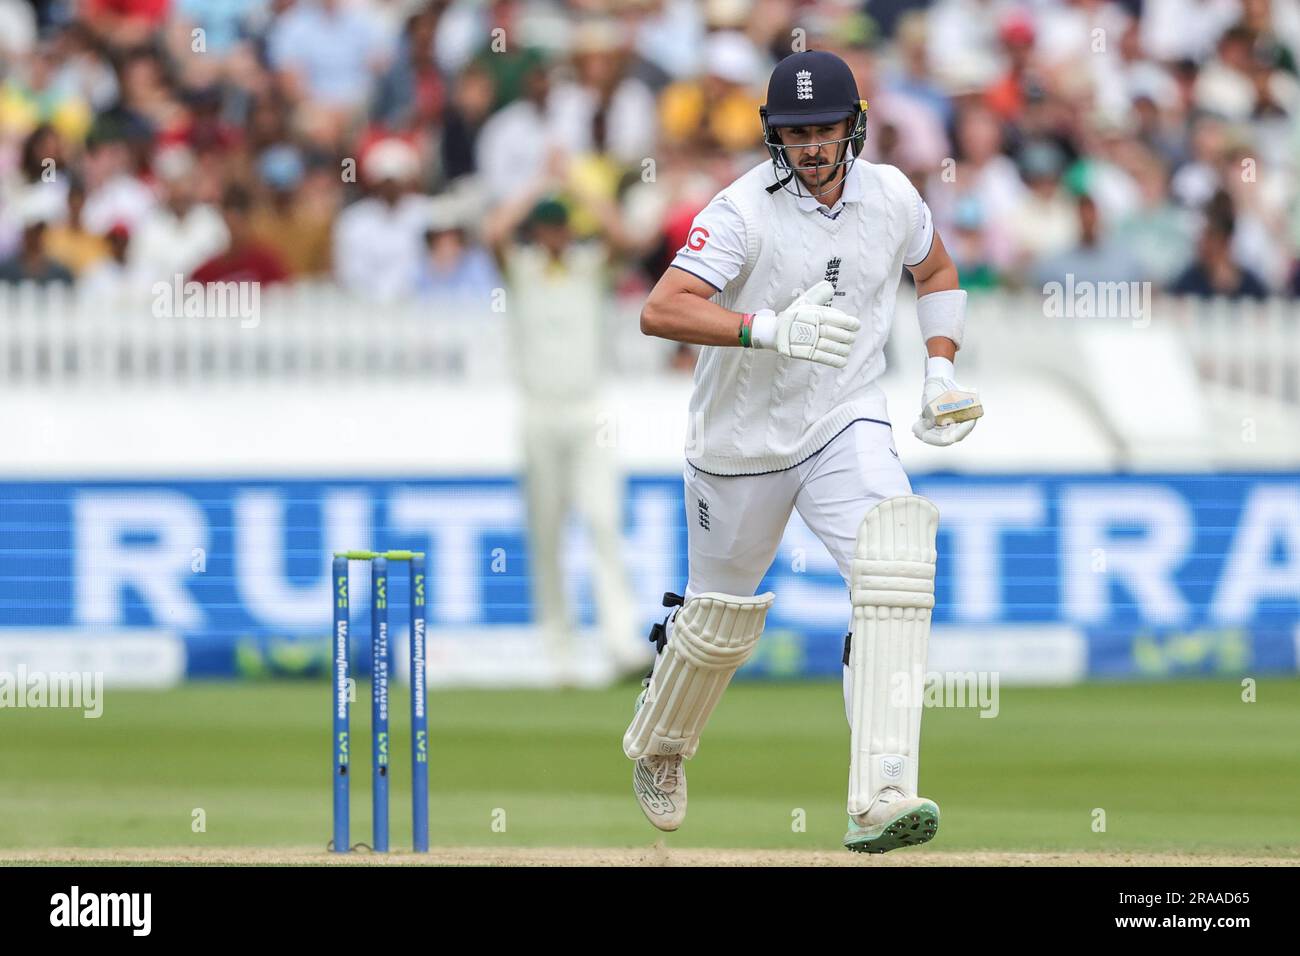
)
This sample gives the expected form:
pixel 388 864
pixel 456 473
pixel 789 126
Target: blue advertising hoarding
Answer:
pixel 1156 574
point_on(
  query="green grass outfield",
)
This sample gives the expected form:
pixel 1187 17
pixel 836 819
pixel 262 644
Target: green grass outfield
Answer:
pixel 1183 767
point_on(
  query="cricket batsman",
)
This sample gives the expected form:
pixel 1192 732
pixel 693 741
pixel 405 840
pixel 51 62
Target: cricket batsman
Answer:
pixel 788 279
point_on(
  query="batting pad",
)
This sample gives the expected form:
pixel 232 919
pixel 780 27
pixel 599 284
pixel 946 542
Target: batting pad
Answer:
pixel 712 636
pixel 892 589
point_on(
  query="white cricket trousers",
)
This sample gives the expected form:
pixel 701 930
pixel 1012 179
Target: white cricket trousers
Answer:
pixel 569 472
pixel 735 523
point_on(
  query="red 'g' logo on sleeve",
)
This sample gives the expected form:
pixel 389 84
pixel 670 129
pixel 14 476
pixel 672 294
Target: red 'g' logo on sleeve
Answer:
pixel 696 239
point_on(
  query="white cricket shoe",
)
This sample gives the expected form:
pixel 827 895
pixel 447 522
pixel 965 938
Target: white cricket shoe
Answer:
pixel 660 787
pixel 660 783
pixel 893 820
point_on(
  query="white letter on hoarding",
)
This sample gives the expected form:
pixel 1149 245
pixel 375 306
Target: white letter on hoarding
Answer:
pixel 975 517
pixel 1144 566
pixel 1271 515
pixel 454 522
pixel 158 570
pixel 261 543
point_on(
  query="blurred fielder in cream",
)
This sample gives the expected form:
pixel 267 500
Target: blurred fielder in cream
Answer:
pixel 788 278
pixel 557 302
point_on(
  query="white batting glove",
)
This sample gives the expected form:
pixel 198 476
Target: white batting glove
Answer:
pixel 808 328
pixel 948 410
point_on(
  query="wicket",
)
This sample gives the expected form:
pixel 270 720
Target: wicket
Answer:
pixel 379 699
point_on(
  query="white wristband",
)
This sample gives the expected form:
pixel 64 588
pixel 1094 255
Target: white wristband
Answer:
pixel 762 331
pixel 942 314
pixel 936 366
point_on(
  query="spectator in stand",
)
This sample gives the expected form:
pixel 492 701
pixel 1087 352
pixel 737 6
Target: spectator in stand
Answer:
pixel 105 88
pixel 605 110
pixel 1223 85
pixel 150 99
pixel 1080 43
pixel 719 109
pixel 412 94
pixel 379 241
pixel 205 130
pixel 1158 235
pixel 44 157
pixel 125 23
pixel 290 221
pixel 454 267
pixel 1214 272
pixel 84 69
pixel 267 122
pixel 514 143
pixel 17 28
pixel 32 95
pixel 911 77
pixel 1197 179
pixel 986 175
pixel 507 66
pixel 32 262
pixel 113 193
pixel 1272 116
pixel 327 56
pixel 1258 215
pixel 1093 259
pixel 1276 28
pixel 1046 222
pixel 669 35
pixel 1154 125
pixel 1007 96
pixel 245 258
pixel 44 166
pixel 969 247
pixel 1185 29
pixel 110 278
pixel 224 22
pixel 1105 166
pixel 176 236
pixel 70 242
pixel 466 118
pixel 1140 76
pixel 962 37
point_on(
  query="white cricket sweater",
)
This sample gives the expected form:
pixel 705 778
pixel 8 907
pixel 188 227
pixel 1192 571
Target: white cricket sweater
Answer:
pixel 755 410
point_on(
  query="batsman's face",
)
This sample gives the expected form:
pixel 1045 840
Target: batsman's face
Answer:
pixel 810 147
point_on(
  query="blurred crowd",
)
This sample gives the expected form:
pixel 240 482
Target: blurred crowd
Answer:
pixel 366 141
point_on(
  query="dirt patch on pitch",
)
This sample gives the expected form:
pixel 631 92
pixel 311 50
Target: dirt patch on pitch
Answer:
pixel 594 856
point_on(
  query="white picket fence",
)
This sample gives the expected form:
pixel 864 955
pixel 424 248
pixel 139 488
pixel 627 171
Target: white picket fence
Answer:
pixel 315 335
pixel 311 334
pixel 1251 346
pixel 1247 346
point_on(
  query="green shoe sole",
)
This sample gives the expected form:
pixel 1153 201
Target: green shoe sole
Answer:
pixel 910 828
